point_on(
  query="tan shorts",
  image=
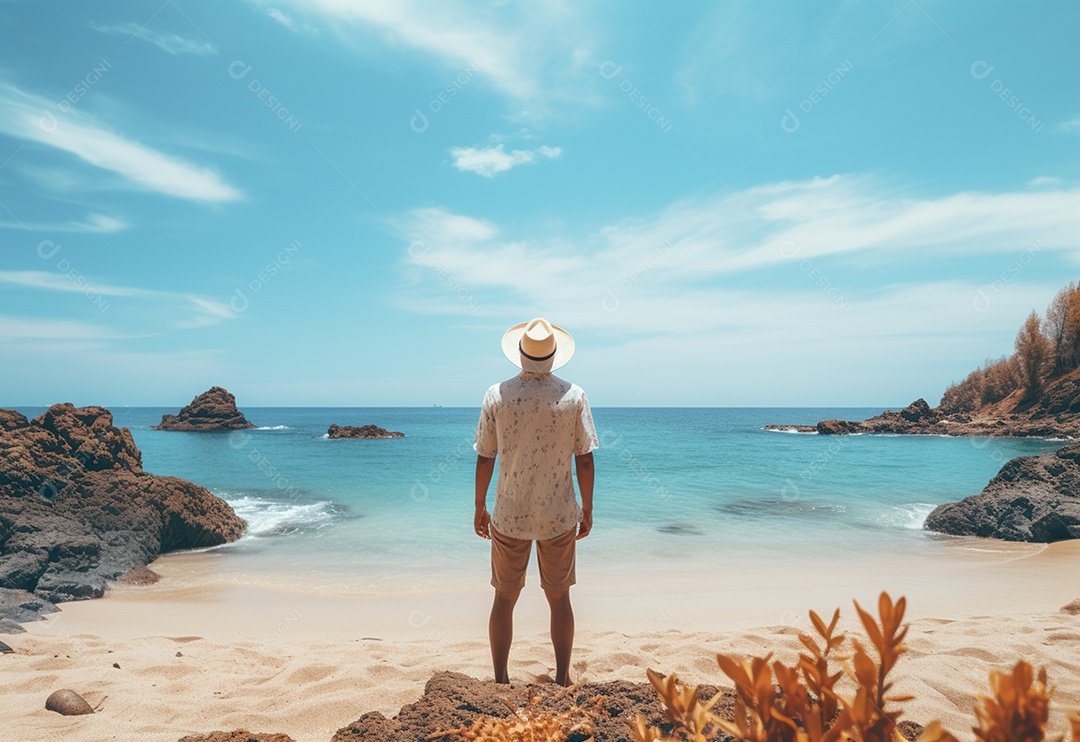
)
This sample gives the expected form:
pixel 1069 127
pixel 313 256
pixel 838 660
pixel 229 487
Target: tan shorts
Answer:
pixel 510 556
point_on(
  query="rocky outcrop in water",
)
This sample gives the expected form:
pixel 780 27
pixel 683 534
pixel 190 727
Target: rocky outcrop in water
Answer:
pixel 1032 498
pixel 214 409
pixel 77 510
pixel 1055 415
pixel 362 431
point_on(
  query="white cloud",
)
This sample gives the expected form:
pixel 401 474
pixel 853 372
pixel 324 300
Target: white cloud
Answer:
pixel 168 42
pixel 677 272
pixel 94 224
pixel 490 161
pixel 526 52
pixel 28 116
pixel 1072 126
pixel 199 310
pixel 12 327
pixel 1044 181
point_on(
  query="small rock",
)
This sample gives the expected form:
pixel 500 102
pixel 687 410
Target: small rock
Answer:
pixel 5 649
pixel 7 626
pixel 179 654
pixel 140 576
pixel 1073 608
pixel 116 665
pixel 68 703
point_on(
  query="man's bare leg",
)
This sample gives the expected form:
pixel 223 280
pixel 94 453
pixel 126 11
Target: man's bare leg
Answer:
pixel 501 631
pixel 562 632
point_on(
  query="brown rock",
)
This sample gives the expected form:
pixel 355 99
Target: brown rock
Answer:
pixel 140 576
pixel 77 509
pixel 838 427
pixel 792 428
pixel 237 735
pixel 68 703
pixel 214 409
pixel 1055 414
pixel 363 431
pixel 1073 608
pixel 451 700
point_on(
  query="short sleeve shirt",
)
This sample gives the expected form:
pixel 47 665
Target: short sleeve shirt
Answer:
pixel 535 424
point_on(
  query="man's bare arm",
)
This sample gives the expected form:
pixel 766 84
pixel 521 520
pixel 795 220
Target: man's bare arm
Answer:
pixel 484 469
pixel 585 477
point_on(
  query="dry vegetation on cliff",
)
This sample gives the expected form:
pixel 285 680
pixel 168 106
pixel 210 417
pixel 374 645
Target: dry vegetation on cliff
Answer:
pixel 1045 350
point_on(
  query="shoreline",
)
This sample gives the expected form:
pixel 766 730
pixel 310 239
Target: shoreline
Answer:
pixel 306 661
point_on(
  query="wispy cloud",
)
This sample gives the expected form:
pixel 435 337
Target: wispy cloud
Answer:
pixel 490 161
pixel 199 310
pixel 14 327
pixel 94 224
pixel 168 42
pixel 677 271
pixel 28 116
pixel 527 52
pixel 1072 126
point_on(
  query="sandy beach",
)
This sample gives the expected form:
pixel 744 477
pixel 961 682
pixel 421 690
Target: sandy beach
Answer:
pixel 205 650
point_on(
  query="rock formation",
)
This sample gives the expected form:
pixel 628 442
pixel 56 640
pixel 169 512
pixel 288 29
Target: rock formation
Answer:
pixel 1032 498
pixel 1055 414
pixel 214 409
pixel 451 699
pixel 77 510
pixel 363 431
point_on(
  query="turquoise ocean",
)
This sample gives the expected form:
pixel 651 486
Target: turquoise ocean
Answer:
pixel 674 488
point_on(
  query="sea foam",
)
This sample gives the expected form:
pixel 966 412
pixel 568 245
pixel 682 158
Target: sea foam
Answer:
pixel 274 518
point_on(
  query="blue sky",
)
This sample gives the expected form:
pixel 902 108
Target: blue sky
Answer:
pixel 340 202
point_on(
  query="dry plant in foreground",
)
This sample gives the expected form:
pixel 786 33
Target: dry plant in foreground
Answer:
pixel 531 723
pixel 775 702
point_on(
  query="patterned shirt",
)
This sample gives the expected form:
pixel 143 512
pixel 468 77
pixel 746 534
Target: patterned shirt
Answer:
pixel 535 423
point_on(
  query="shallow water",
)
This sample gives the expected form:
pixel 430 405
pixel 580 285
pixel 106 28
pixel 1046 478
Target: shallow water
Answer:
pixel 675 488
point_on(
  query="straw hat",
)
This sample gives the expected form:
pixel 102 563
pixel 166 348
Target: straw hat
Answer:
pixel 538 340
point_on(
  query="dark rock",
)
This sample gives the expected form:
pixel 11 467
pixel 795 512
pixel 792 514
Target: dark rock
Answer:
pixel 5 649
pixel 916 411
pixel 214 409
pixel 363 431
pixel 237 735
pixel 68 703
pixel 837 427
pixel 23 606
pixel 7 626
pixel 451 700
pixel 1032 498
pixel 77 509
pixel 21 570
pixel 1073 608
pixel 792 428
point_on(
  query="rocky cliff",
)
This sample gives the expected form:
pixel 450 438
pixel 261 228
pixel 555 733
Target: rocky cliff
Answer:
pixel 77 509
pixel 1054 414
